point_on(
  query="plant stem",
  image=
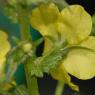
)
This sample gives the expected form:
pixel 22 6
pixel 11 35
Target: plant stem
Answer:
pixel 24 25
pixel 31 81
pixel 25 35
pixel 59 88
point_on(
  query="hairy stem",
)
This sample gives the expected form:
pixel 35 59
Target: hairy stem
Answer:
pixel 25 35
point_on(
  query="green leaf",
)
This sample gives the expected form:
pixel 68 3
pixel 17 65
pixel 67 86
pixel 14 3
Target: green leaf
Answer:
pixel 48 61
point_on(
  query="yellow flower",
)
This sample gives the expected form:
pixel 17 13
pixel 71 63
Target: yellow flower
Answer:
pixel 44 19
pixel 4 48
pixel 74 25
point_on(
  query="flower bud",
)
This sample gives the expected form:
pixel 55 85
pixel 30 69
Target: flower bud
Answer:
pixel 27 47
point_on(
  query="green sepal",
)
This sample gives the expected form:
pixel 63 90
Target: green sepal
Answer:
pixel 48 61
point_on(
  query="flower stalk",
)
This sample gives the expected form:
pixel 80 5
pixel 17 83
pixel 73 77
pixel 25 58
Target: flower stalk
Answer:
pixel 25 35
pixel 60 88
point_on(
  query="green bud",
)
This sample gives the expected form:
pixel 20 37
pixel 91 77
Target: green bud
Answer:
pixel 27 47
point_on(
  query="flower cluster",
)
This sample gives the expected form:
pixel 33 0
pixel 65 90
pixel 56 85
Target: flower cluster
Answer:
pixel 72 24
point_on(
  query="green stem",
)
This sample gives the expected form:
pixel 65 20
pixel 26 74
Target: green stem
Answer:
pixel 24 24
pixel 25 35
pixel 31 81
pixel 59 88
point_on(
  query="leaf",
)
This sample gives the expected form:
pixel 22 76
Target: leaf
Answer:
pixel 53 59
pixel 35 69
pixel 47 62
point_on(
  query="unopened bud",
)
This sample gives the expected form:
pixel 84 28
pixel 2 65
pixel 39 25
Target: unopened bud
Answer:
pixel 27 47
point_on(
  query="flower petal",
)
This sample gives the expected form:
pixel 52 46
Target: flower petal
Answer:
pixel 44 18
pixel 3 35
pixel 2 65
pixel 4 44
pixel 80 63
pixel 48 45
pixel 4 48
pixel 89 43
pixel 75 24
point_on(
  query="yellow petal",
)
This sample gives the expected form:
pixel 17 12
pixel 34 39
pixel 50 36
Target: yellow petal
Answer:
pixel 48 45
pixel 2 65
pixel 80 63
pixel 4 44
pixel 75 24
pixel 4 48
pixel 44 19
pixel 3 35
pixel 61 74
pixel 89 43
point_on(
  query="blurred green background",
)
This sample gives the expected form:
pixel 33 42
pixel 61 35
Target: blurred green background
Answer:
pixel 13 30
